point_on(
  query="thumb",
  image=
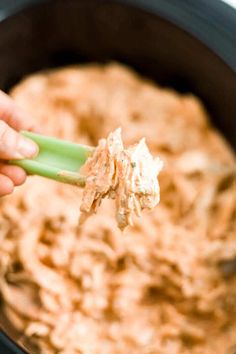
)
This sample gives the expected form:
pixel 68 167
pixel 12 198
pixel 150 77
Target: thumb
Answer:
pixel 13 145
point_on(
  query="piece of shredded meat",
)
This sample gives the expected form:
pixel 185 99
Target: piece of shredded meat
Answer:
pixel 127 175
pixel 169 285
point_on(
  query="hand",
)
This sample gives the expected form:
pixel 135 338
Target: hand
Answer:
pixel 12 144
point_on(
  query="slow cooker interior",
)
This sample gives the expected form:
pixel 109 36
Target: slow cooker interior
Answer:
pixel 56 33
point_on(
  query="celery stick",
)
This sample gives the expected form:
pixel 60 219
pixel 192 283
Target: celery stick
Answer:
pixel 57 159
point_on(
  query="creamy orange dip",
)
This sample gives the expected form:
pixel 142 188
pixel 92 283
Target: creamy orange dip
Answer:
pixel 168 285
pixel 127 175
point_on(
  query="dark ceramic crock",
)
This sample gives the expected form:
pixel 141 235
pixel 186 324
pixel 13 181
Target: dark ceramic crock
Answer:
pixel 186 44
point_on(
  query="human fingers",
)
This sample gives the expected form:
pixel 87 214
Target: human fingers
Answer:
pixel 13 145
pixel 15 173
pixel 13 115
pixel 6 185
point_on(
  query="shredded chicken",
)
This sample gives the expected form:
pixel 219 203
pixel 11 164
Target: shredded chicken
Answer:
pixel 169 285
pixel 127 175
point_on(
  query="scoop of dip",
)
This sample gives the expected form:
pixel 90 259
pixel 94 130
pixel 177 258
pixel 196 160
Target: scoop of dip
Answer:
pixel 129 176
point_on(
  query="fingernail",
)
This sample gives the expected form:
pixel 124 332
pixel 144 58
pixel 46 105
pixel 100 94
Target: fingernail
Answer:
pixel 27 148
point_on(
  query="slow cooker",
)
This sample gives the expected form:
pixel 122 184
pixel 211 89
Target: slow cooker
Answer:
pixel 185 44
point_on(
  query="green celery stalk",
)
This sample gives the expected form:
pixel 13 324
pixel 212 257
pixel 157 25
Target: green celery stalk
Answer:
pixel 57 159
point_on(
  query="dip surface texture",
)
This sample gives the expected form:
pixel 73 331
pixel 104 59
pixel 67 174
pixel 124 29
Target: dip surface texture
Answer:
pixel 167 285
pixel 127 175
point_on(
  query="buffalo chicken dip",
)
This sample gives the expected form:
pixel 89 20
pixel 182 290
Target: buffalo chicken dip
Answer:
pixel 167 284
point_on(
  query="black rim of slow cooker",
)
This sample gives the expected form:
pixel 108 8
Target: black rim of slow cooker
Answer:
pixel 10 347
pixel 210 21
